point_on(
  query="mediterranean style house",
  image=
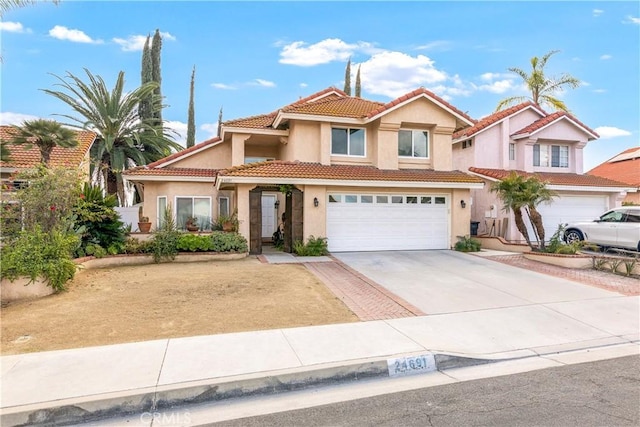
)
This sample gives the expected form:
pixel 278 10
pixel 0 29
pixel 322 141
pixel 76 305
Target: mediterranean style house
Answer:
pixel 366 175
pixel 21 159
pixel 532 142
pixel 624 167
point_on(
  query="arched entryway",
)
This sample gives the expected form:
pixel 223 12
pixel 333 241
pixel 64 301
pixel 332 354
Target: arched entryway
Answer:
pixel 293 227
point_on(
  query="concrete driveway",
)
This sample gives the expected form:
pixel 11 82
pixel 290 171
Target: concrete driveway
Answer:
pixel 451 282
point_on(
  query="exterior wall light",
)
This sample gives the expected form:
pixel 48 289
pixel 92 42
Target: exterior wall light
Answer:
pixel 463 204
pixel 276 204
pixel 315 202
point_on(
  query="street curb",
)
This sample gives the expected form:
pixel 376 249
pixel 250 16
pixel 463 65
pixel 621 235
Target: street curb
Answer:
pixel 96 407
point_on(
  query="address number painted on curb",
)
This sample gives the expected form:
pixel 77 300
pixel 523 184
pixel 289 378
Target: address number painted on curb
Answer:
pixel 411 365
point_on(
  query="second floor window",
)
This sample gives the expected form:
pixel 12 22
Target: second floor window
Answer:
pixel 348 142
pixel 413 143
pixel 555 156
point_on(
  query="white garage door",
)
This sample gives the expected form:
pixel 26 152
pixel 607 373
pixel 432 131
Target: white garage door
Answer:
pixel 566 209
pixel 380 222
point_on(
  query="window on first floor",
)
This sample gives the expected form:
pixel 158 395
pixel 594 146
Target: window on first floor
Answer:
pixel 413 143
pixel 348 142
pixel 223 206
pixel 193 207
pixel 162 208
pixel 555 156
pixel 512 151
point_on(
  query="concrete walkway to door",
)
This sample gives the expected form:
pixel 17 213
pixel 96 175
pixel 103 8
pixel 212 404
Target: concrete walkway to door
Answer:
pixel 438 282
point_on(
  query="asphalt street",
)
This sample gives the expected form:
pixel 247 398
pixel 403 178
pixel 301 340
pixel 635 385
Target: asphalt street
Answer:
pixel 603 393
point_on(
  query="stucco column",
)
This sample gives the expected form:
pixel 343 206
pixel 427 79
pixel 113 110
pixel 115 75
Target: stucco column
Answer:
pixel 237 148
pixel 460 217
pixel 575 157
pixel 325 143
pixel 242 208
pixel 441 148
pixel 315 218
pixel 528 154
pixel 387 147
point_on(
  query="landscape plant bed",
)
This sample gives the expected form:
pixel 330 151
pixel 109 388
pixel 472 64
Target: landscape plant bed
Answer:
pixel 146 302
pixel 144 259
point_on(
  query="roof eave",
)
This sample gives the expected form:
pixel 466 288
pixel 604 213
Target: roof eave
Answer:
pixel 173 178
pixel 422 95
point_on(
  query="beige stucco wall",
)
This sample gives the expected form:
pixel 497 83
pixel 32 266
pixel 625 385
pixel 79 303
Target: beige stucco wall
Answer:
pixel 153 190
pixel 304 141
pixel 216 157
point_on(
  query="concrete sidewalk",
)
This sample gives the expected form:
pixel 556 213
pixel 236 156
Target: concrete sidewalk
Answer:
pixel 84 384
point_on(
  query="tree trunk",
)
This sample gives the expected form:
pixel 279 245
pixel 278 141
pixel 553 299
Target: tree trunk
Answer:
pixel 522 228
pixel 536 221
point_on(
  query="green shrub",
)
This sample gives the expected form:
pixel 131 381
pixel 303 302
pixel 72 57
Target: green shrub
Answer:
pixel 38 254
pixel 135 246
pixel 164 245
pixel 467 244
pixel 95 250
pixel 315 246
pixel 228 242
pixel 194 243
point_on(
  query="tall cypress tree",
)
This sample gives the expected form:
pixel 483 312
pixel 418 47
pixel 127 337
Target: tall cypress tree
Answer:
pixel 220 121
pixel 156 47
pixel 145 107
pixel 191 120
pixel 358 87
pixel 347 78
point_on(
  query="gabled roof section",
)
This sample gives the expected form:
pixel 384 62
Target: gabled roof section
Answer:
pixel 184 153
pixel 144 171
pixel 343 173
pixel 420 93
pixel 60 157
pixel 553 178
pixel 624 167
pixel 346 106
pixel 495 118
pixel 549 120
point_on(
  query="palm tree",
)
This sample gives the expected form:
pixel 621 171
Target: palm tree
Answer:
pixel 45 134
pixel 123 139
pixel 5 153
pixel 520 194
pixel 7 5
pixel 542 88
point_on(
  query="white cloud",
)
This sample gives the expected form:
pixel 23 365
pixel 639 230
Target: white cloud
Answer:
pixel 600 90
pixel 435 45
pixel 9 118
pixel 135 43
pixel 499 86
pixel 597 12
pixel 303 85
pixel 395 73
pixel 211 129
pixel 223 86
pixel 180 129
pixel 607 132
pixel 13 27
pixel 323 52
pixel 631 20
pixel 264 83
pixel 131 43
pixel 63 33
pixel 605 57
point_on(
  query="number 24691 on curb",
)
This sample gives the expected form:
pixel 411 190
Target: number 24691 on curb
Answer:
pixel 411 365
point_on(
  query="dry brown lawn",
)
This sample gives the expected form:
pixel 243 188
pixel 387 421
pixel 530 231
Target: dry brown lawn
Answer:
pixel 138 303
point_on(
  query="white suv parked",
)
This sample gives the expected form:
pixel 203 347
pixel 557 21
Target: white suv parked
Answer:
pixel 619 227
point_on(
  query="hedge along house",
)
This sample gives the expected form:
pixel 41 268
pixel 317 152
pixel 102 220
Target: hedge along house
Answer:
pixel 532 142
pixel 366 175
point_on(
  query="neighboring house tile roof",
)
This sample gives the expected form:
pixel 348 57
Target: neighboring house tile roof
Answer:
pixel 302 170
pixel 60 157
pixel 545 121
pixel 413 94
pixel 494 118
pixel 186 151
pixel 169 171
pixel 553 178
pixel 348 106
pixel 624 167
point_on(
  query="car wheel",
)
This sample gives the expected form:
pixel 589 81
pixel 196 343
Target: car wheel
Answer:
pixel 572 235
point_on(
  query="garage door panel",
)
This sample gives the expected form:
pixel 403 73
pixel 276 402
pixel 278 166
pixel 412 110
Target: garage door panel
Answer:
pixel 387 226
pixel 567 209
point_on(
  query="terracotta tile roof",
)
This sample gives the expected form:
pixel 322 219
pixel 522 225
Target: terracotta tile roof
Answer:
pixel 413 94
pixel 553 178
pixel 184 152
pixel 544 121
pixel 336 107
pixel 491 119
pixel 626 170
pixel 302 170
pixel 169 171
pixel 60 157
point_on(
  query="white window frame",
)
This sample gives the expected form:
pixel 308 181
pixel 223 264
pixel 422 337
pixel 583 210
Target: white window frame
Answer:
pixel 413 143
pixel 548 151
pixel 512 151
pixel 175 200
pixel 349 142
pixel 228 199
pixel 160 212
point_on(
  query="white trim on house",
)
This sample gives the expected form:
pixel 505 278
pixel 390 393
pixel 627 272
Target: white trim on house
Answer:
pixel 168 178
pixel 5 169
pixel 350 183
pixel 455 141
pixel 528 134
pixel 316 118
pixel 568 187
pixel 252 131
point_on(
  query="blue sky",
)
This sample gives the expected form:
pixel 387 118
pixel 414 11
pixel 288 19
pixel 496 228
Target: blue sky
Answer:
pixel 252 58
